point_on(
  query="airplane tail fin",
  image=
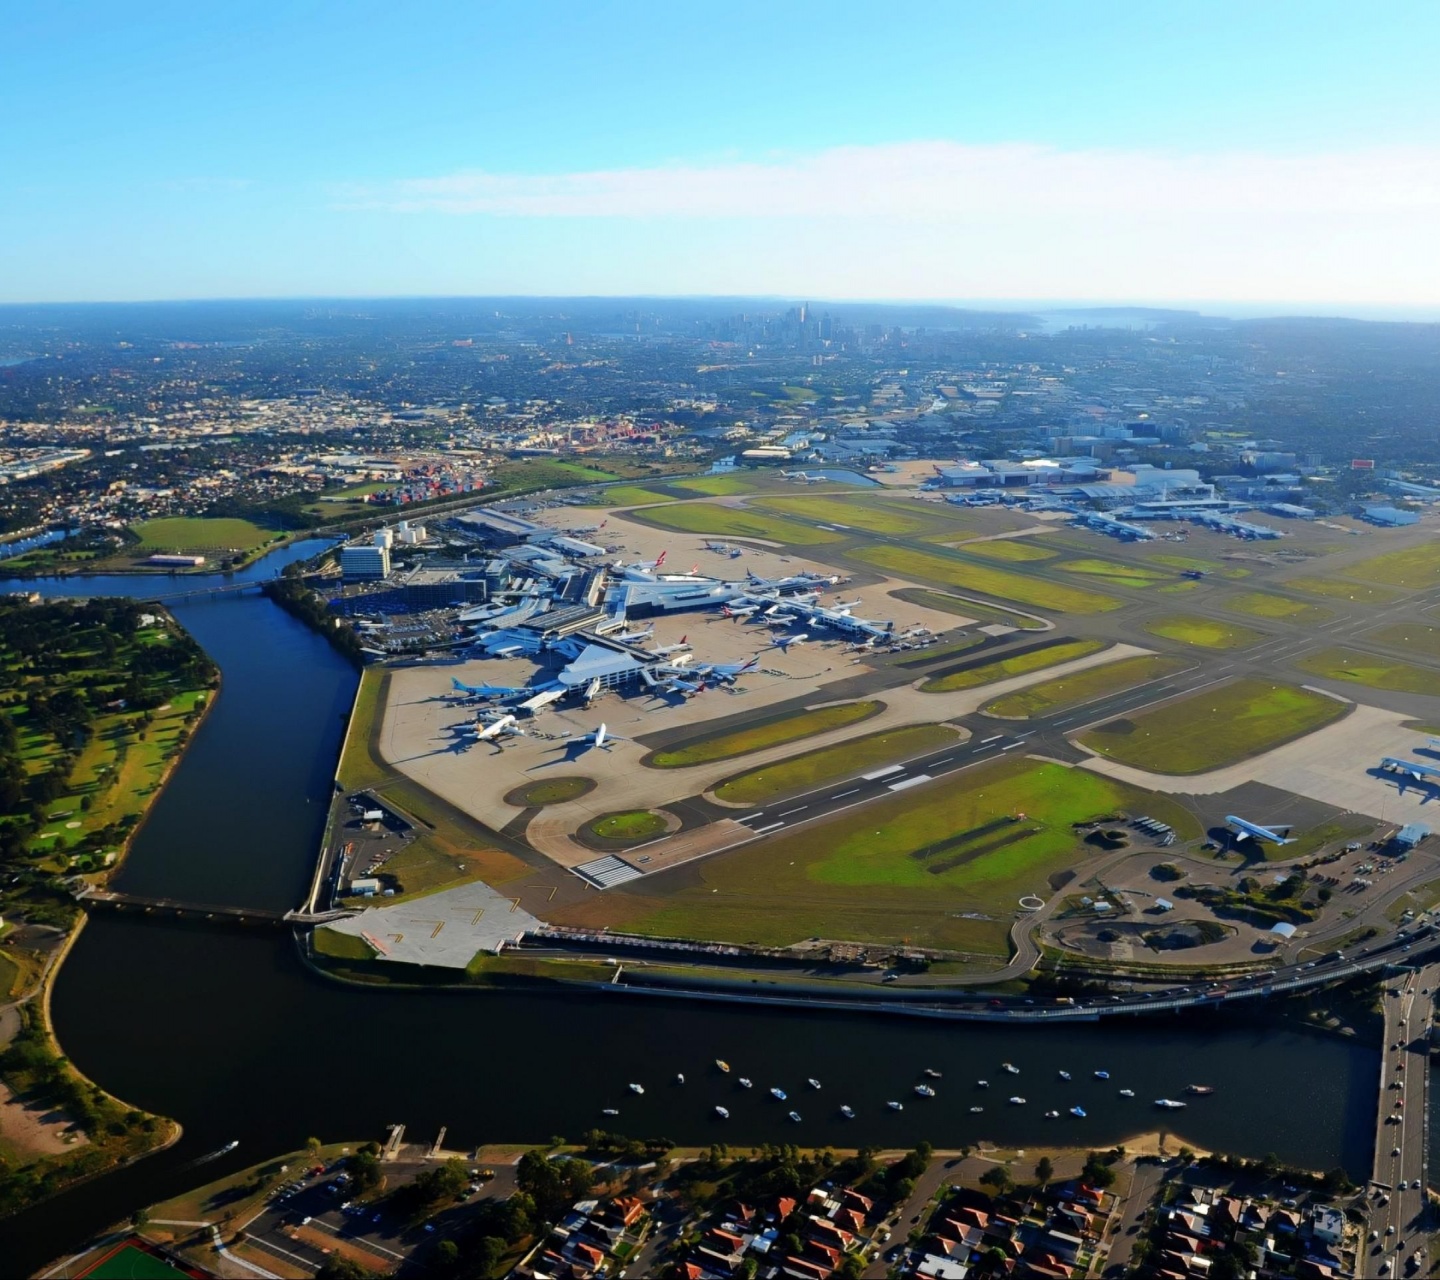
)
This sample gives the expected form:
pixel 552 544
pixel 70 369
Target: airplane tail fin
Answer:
pixel 661 559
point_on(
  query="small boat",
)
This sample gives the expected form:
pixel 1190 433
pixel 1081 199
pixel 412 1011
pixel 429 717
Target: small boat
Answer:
pixel 746 1082
pixel 924 1090
pixel 722 1112
pixel 679 1077
pixel 795 1116
pixel 610 1111
pixel 723 1065
pixel 975 1111
pixel 1065 1075
pixel 1102 1075
pixel 778 1093
pixel 896 1106
pixel 813 1083
pixel 848 1112
pixel 1017 1101
pixel 982 1084
pixel 1010 1067
pixel 1078 1112
pixel 1127 1093
pixel 932 1073
pixel 637 1088
pixel 1052 1115
pixel 1168 1104
pixel 1200 1090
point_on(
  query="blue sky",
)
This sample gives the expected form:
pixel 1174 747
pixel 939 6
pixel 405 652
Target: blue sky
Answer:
pixel 1285 153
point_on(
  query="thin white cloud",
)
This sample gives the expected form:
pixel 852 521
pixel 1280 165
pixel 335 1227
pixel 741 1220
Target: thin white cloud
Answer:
pixel 928 181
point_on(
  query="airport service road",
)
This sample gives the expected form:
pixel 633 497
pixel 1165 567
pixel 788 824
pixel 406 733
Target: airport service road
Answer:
pixel 1403 1223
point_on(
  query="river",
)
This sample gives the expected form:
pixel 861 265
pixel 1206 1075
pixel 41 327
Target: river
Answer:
pixel 228 1032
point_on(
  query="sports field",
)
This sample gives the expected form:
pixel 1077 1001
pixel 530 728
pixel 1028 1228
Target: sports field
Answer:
pixel 1410 636
pixel 1341 589
pixel 735 522
pixel 1259 605
pixel 940 865
pixel 199 533
pixel 1084 686
pixel 1014 550
pixel 844 760
pixel 764 735
pixel 868 514
pixel 1203 633
pixel 968 576
pixel 967 608
pixel 1369 669
pixel 632 495
pixel 131 1263
pixel 1116 574
pixel 1414 568
pixel 1018 665
pixel 1213 727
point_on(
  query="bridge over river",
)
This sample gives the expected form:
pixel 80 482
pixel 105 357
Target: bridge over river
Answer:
pixel 207 911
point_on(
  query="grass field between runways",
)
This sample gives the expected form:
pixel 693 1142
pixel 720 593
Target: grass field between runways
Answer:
pixel 1084 686
pixel 856 512
pixel 969 609
pixel 763 736
pixel 1414 568
pixel 1012 550
pixel 1018 665
pixel 1368 669
pixel 1204 633
pixel 1259 605
pixel 941 865
pixel 1035 592
pixel 734 522
pixel 1114 573
pixel 1411 637
pixel 632 495
pixel 1340 589
pixel 1213 727
pixel 829 764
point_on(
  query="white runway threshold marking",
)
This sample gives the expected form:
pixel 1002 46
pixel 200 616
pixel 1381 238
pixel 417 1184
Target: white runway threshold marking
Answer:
pixel 910 782
pixel 751 818
pixel 760 831
pixel 883 773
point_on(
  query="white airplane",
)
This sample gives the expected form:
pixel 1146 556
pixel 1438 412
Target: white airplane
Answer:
pixel 651 565
pixel 1251 831
pixel 635 637
pixel 504 726
pixel 1420 772
pixel 600 737
pixel 781 620
pixel 786 643
pixel 666 649
pixel 729 671
pixel 744 611
pixel 592 691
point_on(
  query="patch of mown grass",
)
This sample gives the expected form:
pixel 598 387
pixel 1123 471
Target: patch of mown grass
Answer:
pixel 550 791
pixel 1214 727
pixel 973 609
pixel 201 533
pixel 1368 669
pixel 762 736
pixel 1414 568
pixel 955 572
pixel 1084 686
pixel 940 865
pixel 358 766
pixel 1411 636
pixel 1016 665
pixel 1203 633
pixel 870 515
pixel 733 522
pixel 632 495
pixel 717 486
pixel 815 768
pixel 626 826
pixel 1014 550
pixel 1340 589
pixel 341 946
pixel 1260 605
pixel 1116 573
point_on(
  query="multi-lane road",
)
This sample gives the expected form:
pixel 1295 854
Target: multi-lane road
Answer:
pixel 1399 1219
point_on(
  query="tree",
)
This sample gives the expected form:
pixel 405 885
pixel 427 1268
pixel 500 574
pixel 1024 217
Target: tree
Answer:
pixel 447 1255
pixel 1044 1170
pixel 338 1268
pixel 998 1176
pixel 312 1147
pixel 488 1254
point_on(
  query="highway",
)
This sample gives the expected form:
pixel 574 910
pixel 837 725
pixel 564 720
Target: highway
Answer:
pixel 1399 1216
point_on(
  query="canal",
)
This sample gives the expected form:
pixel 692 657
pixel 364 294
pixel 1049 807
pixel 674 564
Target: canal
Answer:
pixel 226 1030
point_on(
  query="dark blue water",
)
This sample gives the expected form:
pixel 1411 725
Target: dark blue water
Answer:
pixel 227 1032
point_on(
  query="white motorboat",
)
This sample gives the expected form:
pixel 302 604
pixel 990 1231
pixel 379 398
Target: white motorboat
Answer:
pixel 1078 1112
pixel 932 1073
pixel 723 1065
pixel 1102 1075
pixel 975 1111
pixel 722 1112
pixel 636 1088
pixel 848 1112
pixel 813 1083
pixel 746 1082
pixel 895 1106
pixel 1065 1075
pixel 679 1077
pixel 924 1090
pixel 779 1093
pixel 795 1116
pixel 1017 1101
pixel 1010 1067
pixel 610 1111
pixel 1127 1093
pixel 982 1084
pixel 1052 1115
pixel 1168 1104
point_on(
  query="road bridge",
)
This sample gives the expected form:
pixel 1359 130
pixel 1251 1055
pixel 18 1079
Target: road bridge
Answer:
pixel 207 911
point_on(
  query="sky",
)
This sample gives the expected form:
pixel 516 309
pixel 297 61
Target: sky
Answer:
pixel 1271 155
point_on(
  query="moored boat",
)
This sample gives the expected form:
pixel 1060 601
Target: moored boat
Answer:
pixel 1200 1090
pixel 679 1077
pixel 795 1116
pixel 924 1090
pixel 1010 1067
pixel 636 1088
pixel 1052 1115
pixel 723 1065
pixel 813 1083
pixel 610 1111
pixel 1102 1075
pixel 895 1106
pixel 975 1111
pixel 1078 1112
pixel 932 1073
pixel 982 1084
pixel 1127 1093
pixel 722 1113
pixel 847 1112
pixel 1168 1104
pixel 1065 1075
pixel 778 1093
pixel 1017 1101
pixel 746 1082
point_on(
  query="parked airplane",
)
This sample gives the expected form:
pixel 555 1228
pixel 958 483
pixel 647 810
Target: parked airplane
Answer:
pixel 635 637
pixel 592 691
pixel 785 643
pixel 729 671
pixel 600 737
pixel 665 650
pixel 541 700
pixel 744 610
pixel 1420 772
pixel 504 726
pixel 1243 830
